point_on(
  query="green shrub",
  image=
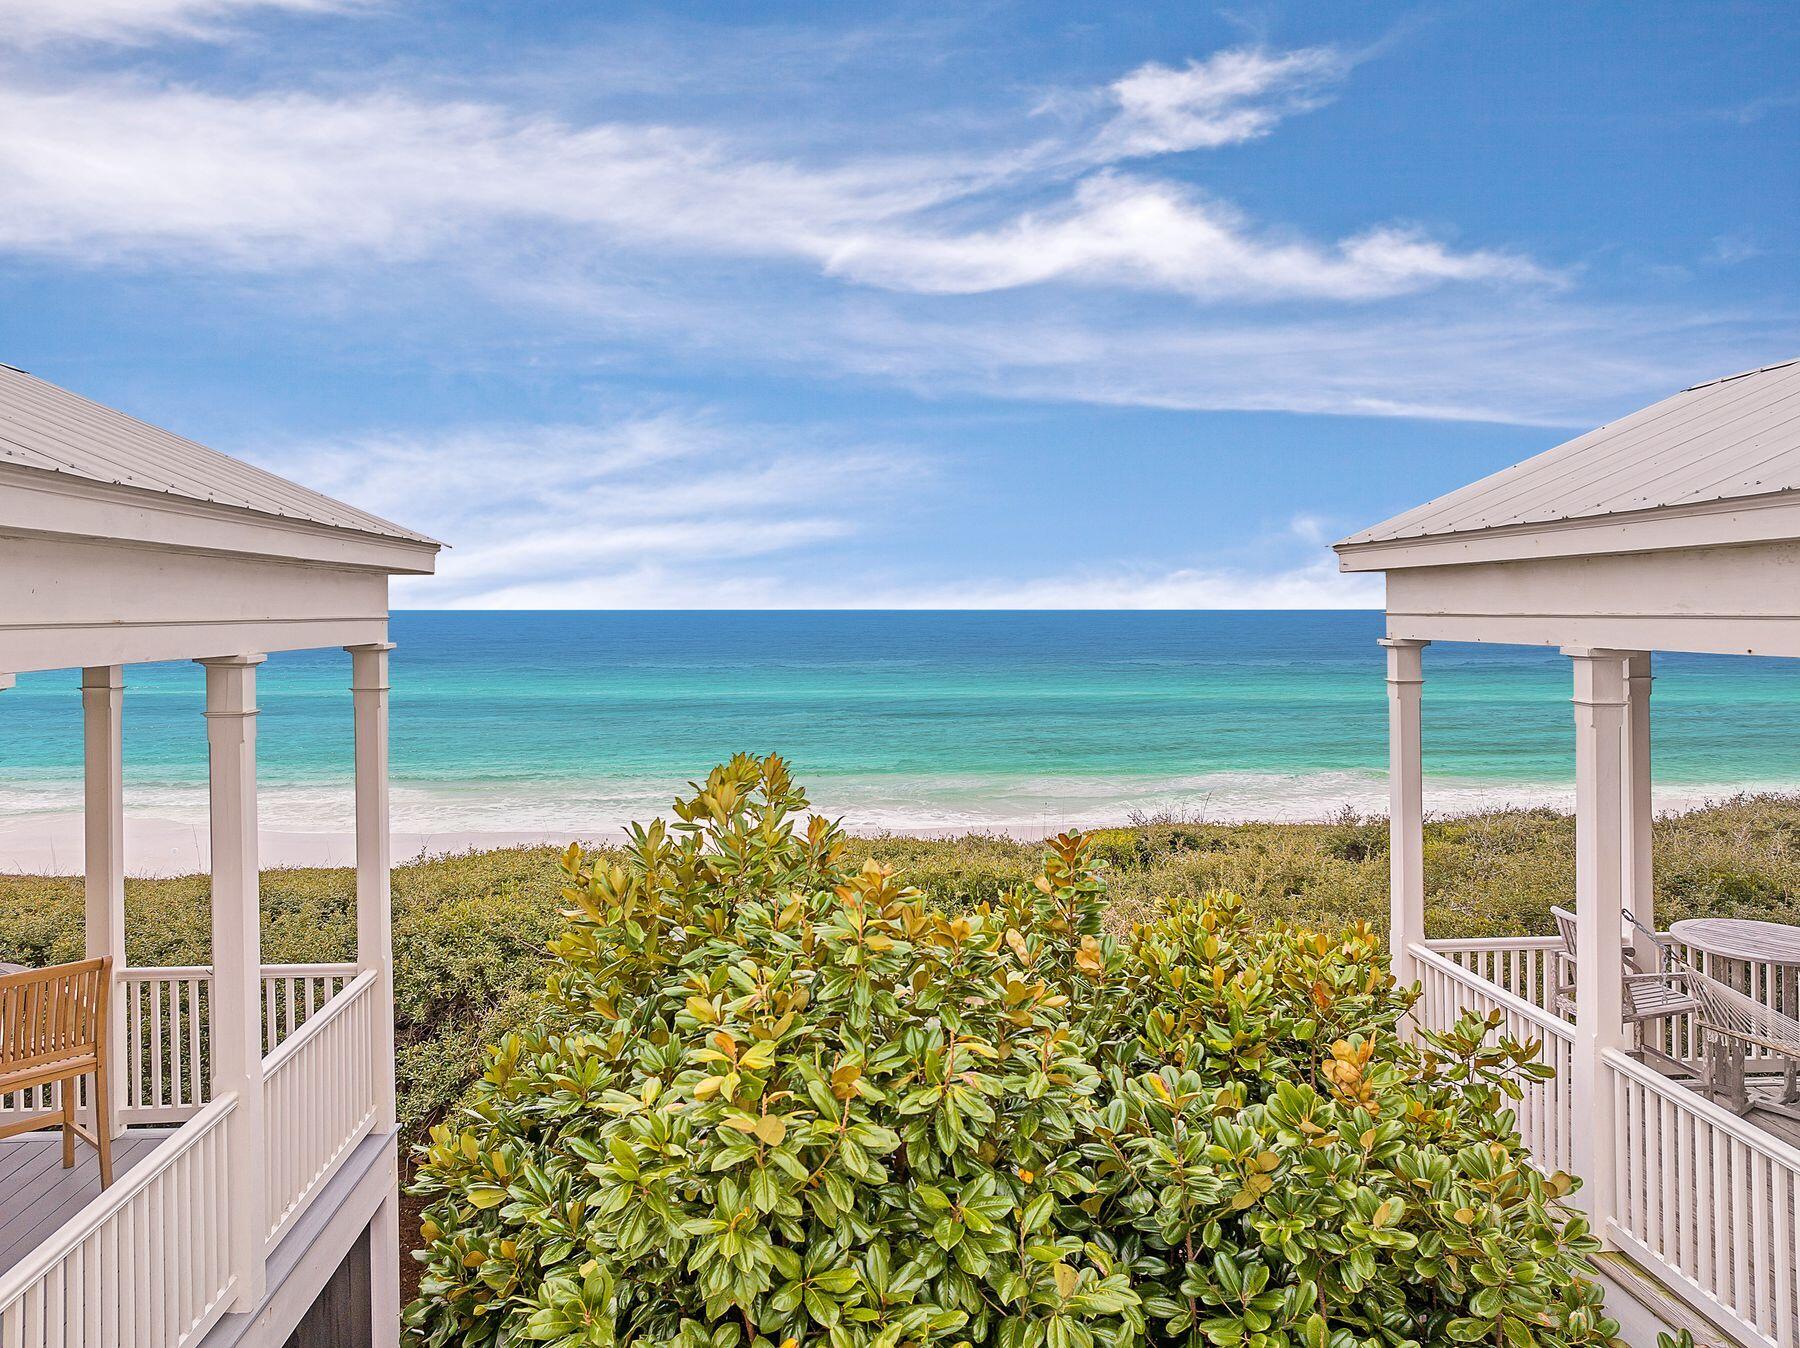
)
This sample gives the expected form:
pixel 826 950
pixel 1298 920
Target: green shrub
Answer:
pixel 769 1098
pixel 772 1098
pixel 1275 1165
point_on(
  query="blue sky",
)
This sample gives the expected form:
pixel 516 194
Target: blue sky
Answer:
pixel 985 305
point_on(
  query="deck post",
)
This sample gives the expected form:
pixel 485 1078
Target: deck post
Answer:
pixel 1639 895
pixel 103 828
pixel 375 952
pixel 374 921
pixel 236 1006
pixel 1600 867
pixel 1406 805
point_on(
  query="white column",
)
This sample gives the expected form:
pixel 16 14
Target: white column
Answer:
pixel 236 1012
pixel 7 681
pixel 103 826
pixel 1638 892
pixel 375 950
pixel 1599 871
pixel 374 923
pixel 1406 805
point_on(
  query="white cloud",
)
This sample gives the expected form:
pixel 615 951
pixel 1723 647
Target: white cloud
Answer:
pixel 1231 96
pixel 659 584
pixel 28 22
pixel 678 509
pixel 121 171
pixel 536 511
pixel 1159 236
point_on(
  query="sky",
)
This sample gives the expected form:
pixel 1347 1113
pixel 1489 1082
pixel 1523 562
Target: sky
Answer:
pixel 985 305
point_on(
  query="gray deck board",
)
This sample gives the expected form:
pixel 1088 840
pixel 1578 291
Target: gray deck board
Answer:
pixel 37 1195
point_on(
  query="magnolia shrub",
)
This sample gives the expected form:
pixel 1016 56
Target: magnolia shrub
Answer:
pixel 771 1100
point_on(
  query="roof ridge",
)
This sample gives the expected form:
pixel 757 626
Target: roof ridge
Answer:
pixel 1741 374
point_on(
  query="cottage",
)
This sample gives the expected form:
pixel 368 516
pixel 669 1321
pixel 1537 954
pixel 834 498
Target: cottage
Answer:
pixel 250 1106
pixel 1676 528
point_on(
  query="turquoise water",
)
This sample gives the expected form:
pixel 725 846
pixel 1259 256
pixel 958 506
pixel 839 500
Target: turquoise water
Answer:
pixel 580 721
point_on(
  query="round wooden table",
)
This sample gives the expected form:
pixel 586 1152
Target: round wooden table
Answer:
pixel 1741 943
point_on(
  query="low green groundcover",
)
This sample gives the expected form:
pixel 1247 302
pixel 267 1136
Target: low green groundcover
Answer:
pixel 770 1100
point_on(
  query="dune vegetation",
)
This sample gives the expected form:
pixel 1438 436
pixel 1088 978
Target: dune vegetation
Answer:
pixel 471 931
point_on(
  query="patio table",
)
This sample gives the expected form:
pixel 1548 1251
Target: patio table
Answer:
pixel 1741 943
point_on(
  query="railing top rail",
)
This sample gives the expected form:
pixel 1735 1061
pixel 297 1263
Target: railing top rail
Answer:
pixel 1694 1103
pixel 1461 943
pixel 145 973
pixel 152 973
pixel 1550 1024
pixel 316 1024
pixel 41 1260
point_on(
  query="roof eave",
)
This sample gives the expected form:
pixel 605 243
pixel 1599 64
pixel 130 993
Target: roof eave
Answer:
pixel 1757 519
pixel 45 504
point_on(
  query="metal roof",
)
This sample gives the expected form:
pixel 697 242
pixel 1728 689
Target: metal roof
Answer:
pixel 1727 439
pixel 50 429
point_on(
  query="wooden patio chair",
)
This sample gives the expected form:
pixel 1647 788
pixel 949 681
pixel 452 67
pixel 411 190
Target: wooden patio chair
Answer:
pixel 1736 1021
pixel 53 1030
pixel 1651 995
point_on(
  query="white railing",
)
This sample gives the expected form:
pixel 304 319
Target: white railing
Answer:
pixel 166 1063
pixel 1706 1201
pixel 1546 1110
pixel 319 1099
pixel 1524 965
pixel 146 1264
pixel 1681 1037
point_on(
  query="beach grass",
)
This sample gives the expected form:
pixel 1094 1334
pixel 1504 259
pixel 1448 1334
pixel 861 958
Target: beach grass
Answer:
pixel 470 929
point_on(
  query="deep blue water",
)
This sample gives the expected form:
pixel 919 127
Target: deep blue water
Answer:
pixel 582 720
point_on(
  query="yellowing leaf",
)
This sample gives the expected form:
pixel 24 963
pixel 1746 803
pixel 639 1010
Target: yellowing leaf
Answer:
pixel 771 1128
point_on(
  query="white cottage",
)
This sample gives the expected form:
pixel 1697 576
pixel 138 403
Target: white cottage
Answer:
pixel 1674 529
pixel 255 1198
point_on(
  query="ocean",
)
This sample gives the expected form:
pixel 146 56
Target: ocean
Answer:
pixel 579 722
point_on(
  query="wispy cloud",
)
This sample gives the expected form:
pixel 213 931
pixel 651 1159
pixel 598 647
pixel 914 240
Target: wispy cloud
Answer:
pixel 1231 96
pixel 657 583
pixel 679 509
pixel 542 513
pixel 1155 235
pixel 120 171
pixel 30 22
pixel 1753 110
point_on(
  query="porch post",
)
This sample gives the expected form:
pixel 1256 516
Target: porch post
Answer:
pixel 1639 896
pixel 1599 871
pixel 374 923
pixel 1406 805
pixel 375 951
pixel 103 826
pixel 236 1011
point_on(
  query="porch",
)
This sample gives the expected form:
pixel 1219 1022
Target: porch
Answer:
pixel 1676 528
pixel 1702 1198
pixel 254 1103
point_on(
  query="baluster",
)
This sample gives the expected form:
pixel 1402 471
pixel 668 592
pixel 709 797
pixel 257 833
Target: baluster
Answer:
pixel 1782 1194
pixel 172 989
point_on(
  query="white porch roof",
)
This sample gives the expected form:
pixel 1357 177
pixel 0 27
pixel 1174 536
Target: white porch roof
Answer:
pixel 122 542
pixel 49 429
pixel 1675 528
pixel 1678 473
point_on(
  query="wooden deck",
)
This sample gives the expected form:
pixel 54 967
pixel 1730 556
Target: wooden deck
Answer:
pixel 37 1195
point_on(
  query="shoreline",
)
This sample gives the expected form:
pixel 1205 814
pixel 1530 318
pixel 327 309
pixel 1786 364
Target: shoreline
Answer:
pixel 51 843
